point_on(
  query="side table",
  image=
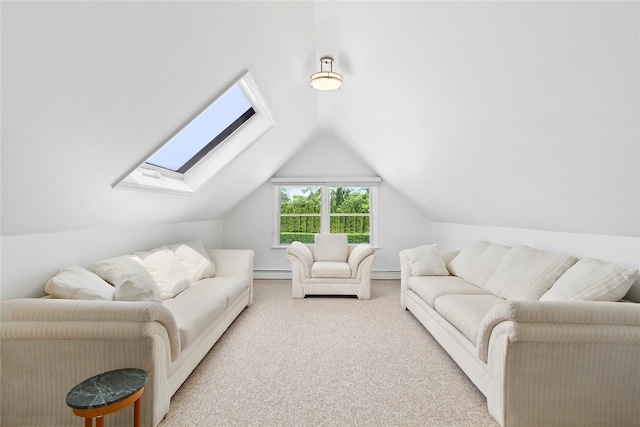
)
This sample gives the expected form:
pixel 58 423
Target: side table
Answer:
pixel 106 393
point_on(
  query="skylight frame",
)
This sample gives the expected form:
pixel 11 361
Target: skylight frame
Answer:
pixel 148 177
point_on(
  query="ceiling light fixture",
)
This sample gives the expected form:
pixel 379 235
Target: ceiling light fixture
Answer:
pixel 326 80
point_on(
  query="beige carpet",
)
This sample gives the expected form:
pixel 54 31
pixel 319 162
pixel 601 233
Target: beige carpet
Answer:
pixel 324 361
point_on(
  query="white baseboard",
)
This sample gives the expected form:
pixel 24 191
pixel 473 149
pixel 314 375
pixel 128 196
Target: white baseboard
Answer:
pixel 286 274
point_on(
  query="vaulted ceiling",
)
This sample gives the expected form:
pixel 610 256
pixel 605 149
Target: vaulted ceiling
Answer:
pixel 515 114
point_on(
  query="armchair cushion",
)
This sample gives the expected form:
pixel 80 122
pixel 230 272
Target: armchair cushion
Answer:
pixel 330 269
pixel 331 247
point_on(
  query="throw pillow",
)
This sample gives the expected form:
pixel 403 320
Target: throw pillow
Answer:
pixel 111 269
pixel 167 271
pixel 330 247
pixel 426 261
pixel 463 262
pixel 526 273
pixel 592 280
pixel 195 259
pixel 132 287
pixel 77 283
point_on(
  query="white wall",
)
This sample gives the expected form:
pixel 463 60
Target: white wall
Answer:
pixel 250 224
pixel 29 260
pixel 620 250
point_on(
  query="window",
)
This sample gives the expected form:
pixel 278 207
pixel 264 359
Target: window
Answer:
pixel 219 120
pixel 213 139
pixel 308 207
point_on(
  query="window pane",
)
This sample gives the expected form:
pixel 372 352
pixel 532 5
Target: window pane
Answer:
pixel 350 200
pixel 356 227
pixel 299 227
pixel 202 131
pixel 299 200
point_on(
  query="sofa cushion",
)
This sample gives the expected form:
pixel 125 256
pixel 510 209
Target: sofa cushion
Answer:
pixel 463 262
pixel 330 247
pixel 195 259
pixel 232 286
pixel 592 280
pixel 429 288
pixel 77 283
pixel 466 312
pixel 196 308
pixel 426 261
pixel 327 269
pixel 130 287
pixel 486 264
pixel 166 269
pixel 526 273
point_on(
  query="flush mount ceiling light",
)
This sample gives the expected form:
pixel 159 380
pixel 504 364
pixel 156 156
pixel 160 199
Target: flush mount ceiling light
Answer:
pixel 326 80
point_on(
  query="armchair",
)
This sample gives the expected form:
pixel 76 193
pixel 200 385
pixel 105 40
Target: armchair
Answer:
pixel 330 266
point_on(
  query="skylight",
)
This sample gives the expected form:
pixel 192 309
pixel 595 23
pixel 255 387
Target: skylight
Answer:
pixel 205 132
pixel 205 145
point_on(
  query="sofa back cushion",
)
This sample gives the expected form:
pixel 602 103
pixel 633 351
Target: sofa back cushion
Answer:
pixel 592 280
pixel 166 269
pixel 331 247
pixel 486 264
pixel 195 259
pixel 464 261
pixel 525 274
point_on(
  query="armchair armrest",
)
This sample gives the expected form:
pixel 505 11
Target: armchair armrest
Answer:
pixel 357 255
pixel 90 320
pixel 299 252
pixel 587 320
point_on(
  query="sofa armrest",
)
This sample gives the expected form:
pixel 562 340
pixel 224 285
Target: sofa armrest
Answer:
pixel 233 262
pixel 405 273
pixel 588 320
pixel 80 319
pixel 300 253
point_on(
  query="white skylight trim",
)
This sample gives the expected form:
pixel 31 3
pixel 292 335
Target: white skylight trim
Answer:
pixel 168 176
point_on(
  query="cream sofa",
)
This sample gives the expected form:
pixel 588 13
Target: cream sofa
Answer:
pixel 330 266
pixel 48 345
pixel 541 335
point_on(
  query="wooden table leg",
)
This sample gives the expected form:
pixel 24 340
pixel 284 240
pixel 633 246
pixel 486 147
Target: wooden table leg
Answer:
pixel 100 421
pixel 136 412
pixel 88 422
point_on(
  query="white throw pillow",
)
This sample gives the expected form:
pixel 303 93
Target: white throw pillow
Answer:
pixel 167 271
pixel 195 259
pixel 111 269
pixel 330 247
pixel 426 261
pixel 77 283
pixel 133 287
pixel 592 280
pixel 525 274
pixel 486 264
pixel 463 262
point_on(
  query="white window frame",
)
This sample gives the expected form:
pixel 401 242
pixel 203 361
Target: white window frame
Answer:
pixel 325 185
pixel 151 178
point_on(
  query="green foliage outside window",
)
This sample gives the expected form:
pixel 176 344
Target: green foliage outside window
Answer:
pixel 300 209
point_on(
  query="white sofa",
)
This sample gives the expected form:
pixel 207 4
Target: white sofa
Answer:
pixel 543 336
pixel 48 345
pixel 330 266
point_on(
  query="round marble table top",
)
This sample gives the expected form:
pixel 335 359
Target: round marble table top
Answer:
pixel 106 388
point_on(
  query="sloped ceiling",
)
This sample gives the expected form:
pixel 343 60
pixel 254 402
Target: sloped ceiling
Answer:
pixel 515 114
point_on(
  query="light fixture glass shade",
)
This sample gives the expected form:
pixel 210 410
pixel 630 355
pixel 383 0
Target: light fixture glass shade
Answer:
pixel 326 80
